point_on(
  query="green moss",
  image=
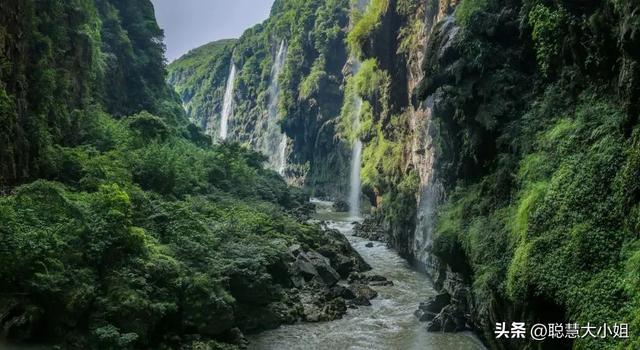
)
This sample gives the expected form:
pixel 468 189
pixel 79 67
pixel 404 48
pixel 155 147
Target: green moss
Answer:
pixel 517 274
pixel 525 208
pixel 365 24
pixel 380 158
pixel 467 8
pixel 312 84
pixel 548 25
pixel 565 228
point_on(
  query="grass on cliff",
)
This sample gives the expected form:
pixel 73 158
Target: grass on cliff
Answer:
pixel 571 234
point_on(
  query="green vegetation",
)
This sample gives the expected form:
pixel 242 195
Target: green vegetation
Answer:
pixel 365 24
pixel 542 183
pixel 310 98
pixel 200 77
pixel 547 33
pixel 121 226
pixel 467 8
pixel 385 36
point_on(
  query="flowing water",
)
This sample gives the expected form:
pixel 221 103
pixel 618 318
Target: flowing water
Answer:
pixel 356 153
pixel 387 324
pixel 355 183
pixel 227 105
pixel 275 142
pixel 283 155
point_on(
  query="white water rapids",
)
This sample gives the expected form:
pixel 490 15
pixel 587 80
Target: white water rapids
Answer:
pixel 388 324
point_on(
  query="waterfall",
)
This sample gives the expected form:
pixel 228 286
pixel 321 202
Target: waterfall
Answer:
pixel 430 196
pixel 227 107
pixel 354 191
pixel 275 141
pixel 356 160
pixel 431 193
pixel 283 155
pixel 274 88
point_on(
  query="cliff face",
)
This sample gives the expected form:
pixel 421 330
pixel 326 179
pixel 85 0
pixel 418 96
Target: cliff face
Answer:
pixel 60 59
pixel 500 142
pixel 532 190
pixel 299 97
pixel 514 195
pixel 121 226
pixel 199 78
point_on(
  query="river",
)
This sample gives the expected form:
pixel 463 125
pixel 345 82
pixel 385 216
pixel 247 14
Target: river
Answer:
pixel 387 324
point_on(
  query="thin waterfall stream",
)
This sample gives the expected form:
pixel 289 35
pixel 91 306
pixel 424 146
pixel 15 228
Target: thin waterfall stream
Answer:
pixel 275 143
pixel 355 183
pixel 227 106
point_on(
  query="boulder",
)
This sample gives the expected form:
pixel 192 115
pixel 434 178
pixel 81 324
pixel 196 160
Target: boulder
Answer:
pixel 339 291
pixel 424 316
pixel 317 309
pixel 375 278
pixel 372 280
pixel 436 303
pixel 313 265
pixel 295 250
pixel 363 291
pixel 450 319
pixel 369 229
pixel 303 267
pixel 360 301
pixel 381 283
pixel 344 258
pixel 341 206
pixel 334 309
pixel 323 267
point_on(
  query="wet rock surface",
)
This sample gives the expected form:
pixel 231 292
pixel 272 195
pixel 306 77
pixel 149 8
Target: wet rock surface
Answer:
pixel 317 295
pixel 370 230
pixel 448 311
pixel 379 305
pixel 341 206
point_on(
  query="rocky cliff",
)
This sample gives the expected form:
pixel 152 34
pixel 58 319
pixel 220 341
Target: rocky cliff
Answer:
pixel 500 143
pixel 299 97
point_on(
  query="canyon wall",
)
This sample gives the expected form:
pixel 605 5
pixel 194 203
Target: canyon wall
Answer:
pixel 499 143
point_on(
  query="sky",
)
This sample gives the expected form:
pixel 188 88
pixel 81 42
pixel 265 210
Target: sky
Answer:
pixel 189 24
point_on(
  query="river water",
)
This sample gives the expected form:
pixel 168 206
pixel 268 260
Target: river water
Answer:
pixel 387 324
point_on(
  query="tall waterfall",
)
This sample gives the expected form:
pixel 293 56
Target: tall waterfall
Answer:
pixel 227 107
pixel 356 161
pixel 282 155
pixel 355 183
pixel 431 196
pixel 275 144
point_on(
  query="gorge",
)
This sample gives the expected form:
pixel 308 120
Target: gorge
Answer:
pixel 471 162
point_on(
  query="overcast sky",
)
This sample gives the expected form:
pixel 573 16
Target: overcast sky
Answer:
pixel 188 24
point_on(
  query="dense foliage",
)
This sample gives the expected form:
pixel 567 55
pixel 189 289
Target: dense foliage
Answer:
pixel 309 102
pixel 542 177
pixel 59 58
pixel 200 78
pixel 123 227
